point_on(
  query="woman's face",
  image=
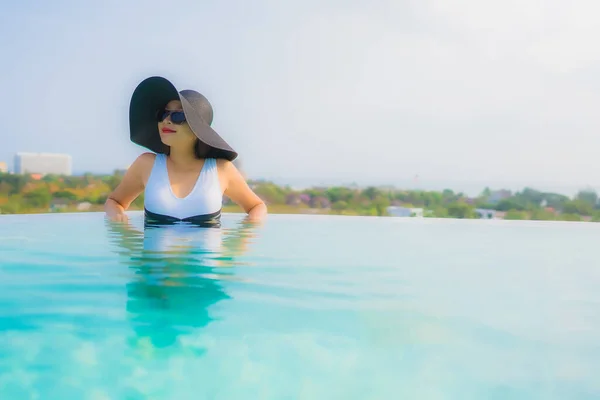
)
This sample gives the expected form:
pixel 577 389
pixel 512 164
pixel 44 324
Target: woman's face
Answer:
pixel 174 134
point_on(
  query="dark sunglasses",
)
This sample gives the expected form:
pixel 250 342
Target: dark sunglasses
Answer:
pixel 177 117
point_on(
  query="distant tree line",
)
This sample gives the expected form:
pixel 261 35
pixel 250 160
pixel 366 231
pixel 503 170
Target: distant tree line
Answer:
pixel 24 194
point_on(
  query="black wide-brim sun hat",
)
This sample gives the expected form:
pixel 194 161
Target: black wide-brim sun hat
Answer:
pixel 152 95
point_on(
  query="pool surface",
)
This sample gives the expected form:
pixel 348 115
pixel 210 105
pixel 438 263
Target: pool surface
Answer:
pixel 302 307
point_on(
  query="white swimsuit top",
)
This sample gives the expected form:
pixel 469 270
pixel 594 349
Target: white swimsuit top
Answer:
pixel 201 206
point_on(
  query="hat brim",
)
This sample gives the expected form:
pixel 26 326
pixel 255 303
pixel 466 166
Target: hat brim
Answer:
pixel 153 94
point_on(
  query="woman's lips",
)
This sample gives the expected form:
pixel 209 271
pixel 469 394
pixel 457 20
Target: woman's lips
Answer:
pixel 167 130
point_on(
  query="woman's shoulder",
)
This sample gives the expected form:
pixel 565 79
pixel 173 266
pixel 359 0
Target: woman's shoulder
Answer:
pixel 224 165
pixel 143 163
pixel 144 159
pixel 230 171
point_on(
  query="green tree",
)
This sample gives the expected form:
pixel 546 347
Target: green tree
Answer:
pixel 336 194
pixel 14 205
pixel 339 205
pixel 439 212
pixel 38 198
pixel 510 204
pixel 113 181
pixel 5 188
pixel 381 204
pixel 515 215
pixel 570 217
pixel 529 197
pixel 448 194
pixel 372 212
pixel 15 181
pixel 271 193
pixel 102 199
pixel 588 197
pixel 460 209
pixel 432 199
pixel 555 200
pixel 371 192
pixel 63 194
pixel 51 178
pixel 542 215
pixel 578 207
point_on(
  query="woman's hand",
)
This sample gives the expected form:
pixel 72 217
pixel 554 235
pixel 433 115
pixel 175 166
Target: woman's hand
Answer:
pixel 114 211
pixel 257 213
pixel 119 217
pixel 129 188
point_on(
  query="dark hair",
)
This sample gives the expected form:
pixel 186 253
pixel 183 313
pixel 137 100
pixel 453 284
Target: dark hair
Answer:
pixel 201 149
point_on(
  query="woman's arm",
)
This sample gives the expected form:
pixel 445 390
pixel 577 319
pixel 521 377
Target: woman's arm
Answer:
pixel 238 191
pixel 129 189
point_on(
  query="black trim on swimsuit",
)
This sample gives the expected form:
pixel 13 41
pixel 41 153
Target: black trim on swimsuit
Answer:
pixel 212 220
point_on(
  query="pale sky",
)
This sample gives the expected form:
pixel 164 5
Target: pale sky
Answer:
pixel 456 92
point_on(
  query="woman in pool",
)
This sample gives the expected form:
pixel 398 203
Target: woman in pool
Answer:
pixel 190 169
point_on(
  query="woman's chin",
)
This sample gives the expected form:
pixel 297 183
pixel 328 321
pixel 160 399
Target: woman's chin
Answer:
pixel 166 140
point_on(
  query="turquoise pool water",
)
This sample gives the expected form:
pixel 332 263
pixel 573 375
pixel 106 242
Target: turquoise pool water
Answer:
pixel 303 307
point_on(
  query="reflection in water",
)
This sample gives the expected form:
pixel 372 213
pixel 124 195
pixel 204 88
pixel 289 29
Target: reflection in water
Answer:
pixel 177 274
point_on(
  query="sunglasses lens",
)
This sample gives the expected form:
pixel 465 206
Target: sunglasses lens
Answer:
pixel 178 117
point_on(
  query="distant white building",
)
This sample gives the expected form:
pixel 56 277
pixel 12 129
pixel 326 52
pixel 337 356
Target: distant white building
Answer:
pixel 3 167
pixel 43 163
pixel 396 211
pixel 84 206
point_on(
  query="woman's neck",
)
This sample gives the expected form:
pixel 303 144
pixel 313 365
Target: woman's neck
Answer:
pixel 182 157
